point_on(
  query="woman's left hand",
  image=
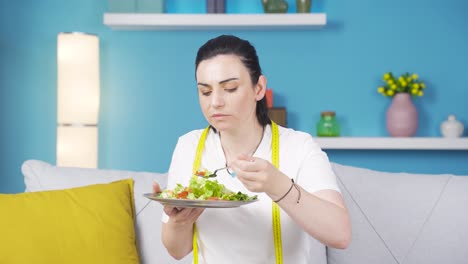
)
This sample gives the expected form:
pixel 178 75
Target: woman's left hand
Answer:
pixel 259 175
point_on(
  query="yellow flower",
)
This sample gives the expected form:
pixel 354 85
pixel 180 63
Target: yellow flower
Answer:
pixel 404 83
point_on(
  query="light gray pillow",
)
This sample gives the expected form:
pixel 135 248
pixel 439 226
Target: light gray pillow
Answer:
pixel 41 176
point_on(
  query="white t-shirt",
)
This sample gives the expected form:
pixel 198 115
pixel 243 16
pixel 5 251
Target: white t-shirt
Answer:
pixel 245 234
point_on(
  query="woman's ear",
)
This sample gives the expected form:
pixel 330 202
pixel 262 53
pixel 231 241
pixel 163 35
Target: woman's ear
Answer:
pixel 260 88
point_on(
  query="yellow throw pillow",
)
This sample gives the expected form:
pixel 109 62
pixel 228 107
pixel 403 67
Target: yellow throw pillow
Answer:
pixel 91 224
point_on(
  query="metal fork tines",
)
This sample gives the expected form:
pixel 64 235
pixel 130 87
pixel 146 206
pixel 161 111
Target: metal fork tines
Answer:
pixel 212 175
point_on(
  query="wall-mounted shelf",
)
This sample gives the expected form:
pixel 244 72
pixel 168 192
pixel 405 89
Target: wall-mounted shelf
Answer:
pixel 393 143
pixel 142 21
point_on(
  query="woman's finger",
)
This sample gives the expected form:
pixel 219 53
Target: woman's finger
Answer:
pixel 170 211
pixel 195 213
pixel 245 166
pixel 245 157
pixel 156 187
pixel 185 213
pixel 246 175
pixel 252 185
pixel 252 164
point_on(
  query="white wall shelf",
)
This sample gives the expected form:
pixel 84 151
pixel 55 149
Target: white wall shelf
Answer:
pixel 393 143
pixel 152 21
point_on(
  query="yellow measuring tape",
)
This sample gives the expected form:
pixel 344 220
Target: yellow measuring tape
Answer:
pixel 196 165
pixel 275 207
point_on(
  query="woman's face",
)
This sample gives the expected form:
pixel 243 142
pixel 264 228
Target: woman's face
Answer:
pixel 227 96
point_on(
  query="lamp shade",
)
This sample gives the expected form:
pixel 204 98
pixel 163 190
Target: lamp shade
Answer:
pixel 77 99
pixel 78 78
pixel 77 146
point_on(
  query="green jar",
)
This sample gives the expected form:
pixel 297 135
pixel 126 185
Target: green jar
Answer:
pixel 328 126
pixel 275 6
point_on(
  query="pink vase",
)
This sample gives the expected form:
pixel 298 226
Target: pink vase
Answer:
pixel 402 116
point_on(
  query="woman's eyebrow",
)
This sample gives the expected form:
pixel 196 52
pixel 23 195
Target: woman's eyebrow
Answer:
pixel 221 82
pixel 228 80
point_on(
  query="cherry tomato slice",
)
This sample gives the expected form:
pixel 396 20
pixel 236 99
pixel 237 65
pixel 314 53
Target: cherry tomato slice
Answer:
pixel 182 195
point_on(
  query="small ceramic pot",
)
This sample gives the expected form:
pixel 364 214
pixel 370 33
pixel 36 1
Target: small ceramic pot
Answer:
pixel 451 128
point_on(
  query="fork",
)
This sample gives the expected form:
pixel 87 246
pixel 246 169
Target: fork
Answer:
pixel 212 175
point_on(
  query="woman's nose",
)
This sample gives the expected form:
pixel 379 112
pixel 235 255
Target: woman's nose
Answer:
pixel 217 99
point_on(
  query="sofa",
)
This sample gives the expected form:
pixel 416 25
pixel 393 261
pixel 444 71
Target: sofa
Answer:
pixel 396 217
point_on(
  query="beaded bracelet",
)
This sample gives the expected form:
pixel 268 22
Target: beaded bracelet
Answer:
pixel 290 188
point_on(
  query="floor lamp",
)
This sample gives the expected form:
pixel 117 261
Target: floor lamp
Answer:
pixel 77 99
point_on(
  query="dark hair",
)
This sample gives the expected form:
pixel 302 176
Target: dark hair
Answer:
pixel 232 45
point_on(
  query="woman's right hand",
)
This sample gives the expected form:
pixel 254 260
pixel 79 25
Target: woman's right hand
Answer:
pixel 183 216
pixel 178 215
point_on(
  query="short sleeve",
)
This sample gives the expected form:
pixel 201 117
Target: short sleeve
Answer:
pixel 315 172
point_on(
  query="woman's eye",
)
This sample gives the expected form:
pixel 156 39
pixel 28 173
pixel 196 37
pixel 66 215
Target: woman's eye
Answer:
pixel 206 93
pixel 231 90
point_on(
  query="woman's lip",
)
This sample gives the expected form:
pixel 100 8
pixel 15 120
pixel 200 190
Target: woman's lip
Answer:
pixel 218 115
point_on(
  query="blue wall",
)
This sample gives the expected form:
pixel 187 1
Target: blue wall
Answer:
pixel 149 93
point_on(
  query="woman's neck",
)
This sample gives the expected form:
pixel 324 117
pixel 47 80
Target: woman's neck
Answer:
pixel 241 141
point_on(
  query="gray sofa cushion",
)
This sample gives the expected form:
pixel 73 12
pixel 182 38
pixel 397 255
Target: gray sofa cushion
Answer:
pixel 444 238
pixel 397 216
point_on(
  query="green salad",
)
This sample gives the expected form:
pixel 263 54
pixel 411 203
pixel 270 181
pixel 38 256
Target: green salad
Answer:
pixel 204 189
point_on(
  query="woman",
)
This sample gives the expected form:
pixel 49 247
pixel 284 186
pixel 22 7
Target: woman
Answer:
pixel 231 91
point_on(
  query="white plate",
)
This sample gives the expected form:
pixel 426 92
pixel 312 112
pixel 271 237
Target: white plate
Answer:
pixel 196 203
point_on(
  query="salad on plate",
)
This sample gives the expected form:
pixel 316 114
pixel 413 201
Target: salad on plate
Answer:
pixel 200 188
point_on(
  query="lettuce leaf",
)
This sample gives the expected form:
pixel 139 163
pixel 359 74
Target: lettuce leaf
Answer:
pixel 202 189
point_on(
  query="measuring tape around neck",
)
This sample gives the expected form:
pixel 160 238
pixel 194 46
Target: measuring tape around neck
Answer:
pixel 196 165
pixel 275 207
